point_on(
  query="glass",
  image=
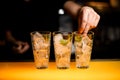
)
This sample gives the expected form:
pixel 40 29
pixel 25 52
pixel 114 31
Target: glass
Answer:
pixel 62 48
pixel 83 49
pixel 41 48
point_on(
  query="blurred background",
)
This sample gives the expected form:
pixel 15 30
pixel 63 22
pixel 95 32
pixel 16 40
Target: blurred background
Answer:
pixel 107 34
pixel 25 16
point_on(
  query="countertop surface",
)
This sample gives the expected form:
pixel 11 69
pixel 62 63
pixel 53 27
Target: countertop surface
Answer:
pixel 98 70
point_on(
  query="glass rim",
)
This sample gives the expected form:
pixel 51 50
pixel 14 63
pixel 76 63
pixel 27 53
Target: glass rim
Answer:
pixel 89 32
pixel 43 32
pixel 54 32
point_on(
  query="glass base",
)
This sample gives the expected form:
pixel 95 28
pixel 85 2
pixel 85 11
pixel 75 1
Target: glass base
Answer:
pixel 83 67
pixel 62 67
pixel 41 67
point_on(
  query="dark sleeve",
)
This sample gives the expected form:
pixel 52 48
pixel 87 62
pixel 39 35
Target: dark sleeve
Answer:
pixel 81 2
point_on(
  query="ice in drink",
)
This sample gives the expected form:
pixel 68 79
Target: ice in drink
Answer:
pixel 41 48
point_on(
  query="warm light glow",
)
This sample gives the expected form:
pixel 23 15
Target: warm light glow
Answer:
pixel 100 70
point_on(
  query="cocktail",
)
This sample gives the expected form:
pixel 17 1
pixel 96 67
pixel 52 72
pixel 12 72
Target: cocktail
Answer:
pixel 62 48
pixel 83 48
pixel 41 48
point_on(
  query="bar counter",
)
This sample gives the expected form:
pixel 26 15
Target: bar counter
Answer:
pixel 98 70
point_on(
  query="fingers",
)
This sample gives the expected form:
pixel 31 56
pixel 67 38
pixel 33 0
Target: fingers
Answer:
pixel 86 30
pixel 87 20
pixel 21 48
pixel 25 47
pixel 83 20
pixel 97 20
pixel 17 49
pixel 90 19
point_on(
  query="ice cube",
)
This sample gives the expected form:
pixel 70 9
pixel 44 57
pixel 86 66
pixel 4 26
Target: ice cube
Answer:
pixel 58 37
pixel 38 35
pixel 85 44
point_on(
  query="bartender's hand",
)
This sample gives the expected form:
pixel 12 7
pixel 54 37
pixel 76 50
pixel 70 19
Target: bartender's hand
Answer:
pixel 20 47
pixel 87 19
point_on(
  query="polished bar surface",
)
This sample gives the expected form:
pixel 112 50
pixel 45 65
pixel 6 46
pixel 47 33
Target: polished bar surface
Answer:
pixel 98 70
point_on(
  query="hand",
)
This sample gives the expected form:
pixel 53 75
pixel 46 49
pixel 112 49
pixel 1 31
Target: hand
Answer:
pixel 87 19
pixel 20 47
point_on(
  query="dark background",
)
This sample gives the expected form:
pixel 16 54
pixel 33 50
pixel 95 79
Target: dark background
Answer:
pixel 25 16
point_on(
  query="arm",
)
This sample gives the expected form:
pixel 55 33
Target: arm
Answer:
pixel 72 8
pixel 9 38
pixel 86 16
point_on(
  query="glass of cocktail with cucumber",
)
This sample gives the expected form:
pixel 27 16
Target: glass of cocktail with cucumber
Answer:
pixel 62 48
